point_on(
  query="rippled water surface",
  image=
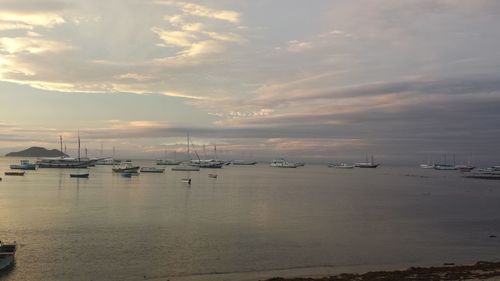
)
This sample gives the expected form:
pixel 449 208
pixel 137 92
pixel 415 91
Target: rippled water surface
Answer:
pixel 251 218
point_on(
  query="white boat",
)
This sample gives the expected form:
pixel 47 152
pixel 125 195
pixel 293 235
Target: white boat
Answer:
pixel 282 163
pixel 7 254
pixel 426 166
pixel 107 161
pixel 341 166
pixel 152 170
pixel 444 167
pixel 186 166
pixel 367 164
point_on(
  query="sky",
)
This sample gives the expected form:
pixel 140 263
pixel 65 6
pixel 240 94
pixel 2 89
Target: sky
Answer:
pixel 322 80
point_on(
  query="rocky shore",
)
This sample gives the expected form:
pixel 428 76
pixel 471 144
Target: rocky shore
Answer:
pixel 478 271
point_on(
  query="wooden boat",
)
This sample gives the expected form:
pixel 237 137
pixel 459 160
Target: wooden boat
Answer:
pixel 367 164
pixel 152 170
pixel 128 168
pixel 7 254
pixel 79 175
pixel 14 173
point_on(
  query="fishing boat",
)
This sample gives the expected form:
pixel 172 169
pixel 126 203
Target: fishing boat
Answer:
pixel 24 165
pixel 243 162
pixel 282 163
pixel 341 166
pixel 367 164
pixel 14 173
pixel 126 168
pixel 152 170
pixel 7 254
pixel 79 175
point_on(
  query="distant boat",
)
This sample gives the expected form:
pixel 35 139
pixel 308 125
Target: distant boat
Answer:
pixel 341 166
pixel 186 166
pixel 427 166
pixel 7 254
pixel 14 173
pixel 243 162
pixel 64 162
pixel 489 174
pixel 282 163
pixel 214 176
pixel 79 175
pixel 152 170
pixel 465 168
pixel 167 162
pixel 444 167
pixel 367 164
pixel 107 161
pixel 209 163
pixel 25 165
pixel 187 180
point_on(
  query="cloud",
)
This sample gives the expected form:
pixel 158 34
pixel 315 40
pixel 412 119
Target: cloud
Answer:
pixel 202 11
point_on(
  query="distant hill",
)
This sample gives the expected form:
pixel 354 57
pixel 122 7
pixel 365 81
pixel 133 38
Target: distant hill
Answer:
pixel 36 152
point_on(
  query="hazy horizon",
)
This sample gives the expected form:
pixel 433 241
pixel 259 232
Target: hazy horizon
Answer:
pixel 318 81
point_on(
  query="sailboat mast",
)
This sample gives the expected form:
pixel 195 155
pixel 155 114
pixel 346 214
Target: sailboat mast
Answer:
pixel 188 146
pixel 78 146
pixel 60 141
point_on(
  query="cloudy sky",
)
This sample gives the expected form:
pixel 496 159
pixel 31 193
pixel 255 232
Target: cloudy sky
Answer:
pixel 320 80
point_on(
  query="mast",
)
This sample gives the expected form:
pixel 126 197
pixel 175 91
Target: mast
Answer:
pixel 79 145
pixel 113 152
pixel 188 146
pixel 60 141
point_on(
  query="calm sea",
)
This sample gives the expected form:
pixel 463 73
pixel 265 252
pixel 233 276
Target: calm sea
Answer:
pixel 250 219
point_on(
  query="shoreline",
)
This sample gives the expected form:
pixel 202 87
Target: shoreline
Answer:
pixel 480 270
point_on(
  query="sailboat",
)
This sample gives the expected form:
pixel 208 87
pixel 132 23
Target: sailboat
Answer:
pixel 63 161
pixel 367 164
pixel 186 166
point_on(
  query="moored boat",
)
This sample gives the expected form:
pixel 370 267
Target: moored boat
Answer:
pixel 282 163
pixel 367 164
pixel 14 173
pixel 152 170
pixel 213 176
pixel 341 166
pixel 483 174
pixel 24 165
pixel 7 254
pixel 167 162
pixel 185 167
pixel 444 167
pixel 127 168
pixel 79 175
pixel 243 162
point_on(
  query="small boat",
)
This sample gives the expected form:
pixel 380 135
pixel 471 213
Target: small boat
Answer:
pixel 464 168
pixel 25 165
pixel 127 168
pixel 186 180
pixel 14 173
pixel 214 176
pixel 341 166
pixel 282 163
pixel 79 175
pixel 152 170
pixel 426 166
pixel 7 254
pixel 243 162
